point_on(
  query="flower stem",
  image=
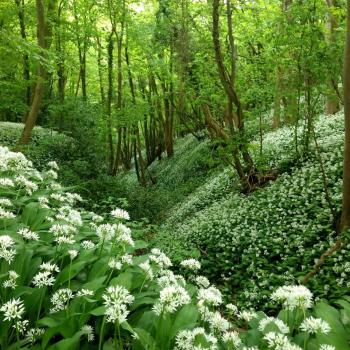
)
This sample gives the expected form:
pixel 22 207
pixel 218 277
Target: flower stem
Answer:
pixel 119 336
pixel 103 242
pixel 101 333
pixel 17 338
pixel 40 303
pixel 70 268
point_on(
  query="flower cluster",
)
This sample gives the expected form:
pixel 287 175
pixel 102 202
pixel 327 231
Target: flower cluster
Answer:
pixel 116 299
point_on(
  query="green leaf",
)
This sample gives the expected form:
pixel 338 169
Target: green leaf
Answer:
pixel 70 272
pixel 338 336
pixel 185 318
pixel 145 339
pixel 101 310
pixel 68 344
pixel 124 279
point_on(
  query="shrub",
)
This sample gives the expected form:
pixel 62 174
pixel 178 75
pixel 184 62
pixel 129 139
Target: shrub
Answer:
pixel 45 144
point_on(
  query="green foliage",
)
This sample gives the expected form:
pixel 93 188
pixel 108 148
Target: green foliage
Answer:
pixel 253 243
pixel 71 279
pixel 46 145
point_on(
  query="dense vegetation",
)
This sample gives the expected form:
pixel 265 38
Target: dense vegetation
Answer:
pixel 175 174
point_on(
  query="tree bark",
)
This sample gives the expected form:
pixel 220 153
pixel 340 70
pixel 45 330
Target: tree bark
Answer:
pixel 61 81
pixel 332 105
pixel 26 68
pixel 345 217
pixel 228 83
pixel 39 88
pixel 110 148
pixel 100 69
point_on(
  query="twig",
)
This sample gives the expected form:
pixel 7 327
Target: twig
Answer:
pixel 338 244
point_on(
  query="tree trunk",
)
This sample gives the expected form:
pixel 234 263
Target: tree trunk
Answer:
pixel 228 83
pixel 39 88
pixel 61 81
pixel 345 217
pixel 100 70
pixel 332 101
pixel 26 68
pixel 110 148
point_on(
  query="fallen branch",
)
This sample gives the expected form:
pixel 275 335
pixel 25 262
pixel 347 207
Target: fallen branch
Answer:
pixel 338 244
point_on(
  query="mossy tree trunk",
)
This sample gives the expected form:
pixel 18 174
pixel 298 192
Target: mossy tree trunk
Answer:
pixel 345 217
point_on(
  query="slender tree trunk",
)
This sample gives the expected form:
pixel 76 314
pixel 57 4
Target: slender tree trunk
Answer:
pixel 100 69
pixel 345 217
pixel 139 163
pixel 26 67
pixel 39 88
pixel 277 99
pixel 228 84
pixel 120 132
pixel 332 100
pixel 61 81
pixel 110 147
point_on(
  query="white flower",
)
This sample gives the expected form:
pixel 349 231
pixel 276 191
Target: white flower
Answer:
pixel 63 233
pixel 11 282
pixel 29 186
pixel 72 253
pixel 84 293
pixel 34 333
pixel 13 310
pixel 64 240
pixel 124 235
pixel 189 340
pixel 5 202
pixel 116 300
pixel 283 328
pixel 327 347
pixel 232 308
pixel 167 279
pixel 115 264
pixel 120 214
pixel 89 332
pixel 105 232
pixel 5 214
pixel 27 234
pixel 247 315
pixel 232 338
pixel 50 175
pixel 126 259
pixel 293 297
pixel 279 341
pixel 96 218
pixel 191 264
pixel 42 279
pixel 47 266
pixel 71 216
pixel 6 248
pixel 53 165
pixel 5 182
pixel 210 296
pixel 171 298
pixel 58 197
pixel 315 325
pixel 60 299
pixel 160 259
pixel 62 230
pixel 202 281
pixel 217 322
pixel 87 245
pixel 21 326
pixel 146 267
pixel 43 201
